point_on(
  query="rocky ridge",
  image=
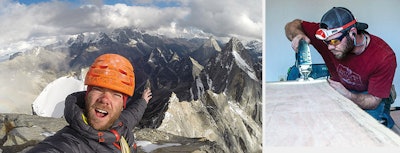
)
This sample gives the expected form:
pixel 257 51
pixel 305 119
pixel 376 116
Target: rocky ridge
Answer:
pixel 19 132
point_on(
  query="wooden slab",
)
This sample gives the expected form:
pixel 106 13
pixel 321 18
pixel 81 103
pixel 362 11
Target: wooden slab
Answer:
pixel 311 113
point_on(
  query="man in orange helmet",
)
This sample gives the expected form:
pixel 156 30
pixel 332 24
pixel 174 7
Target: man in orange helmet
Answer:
pixel 102 118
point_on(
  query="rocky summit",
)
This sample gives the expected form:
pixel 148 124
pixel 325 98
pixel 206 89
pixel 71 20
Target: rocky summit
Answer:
pixel 206 94
pixel 19 132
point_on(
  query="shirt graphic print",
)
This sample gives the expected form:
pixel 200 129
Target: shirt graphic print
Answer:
pixel 349 77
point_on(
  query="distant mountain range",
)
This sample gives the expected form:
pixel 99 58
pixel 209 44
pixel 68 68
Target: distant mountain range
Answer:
pixel 225 78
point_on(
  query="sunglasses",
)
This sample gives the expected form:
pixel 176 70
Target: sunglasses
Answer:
pixel 337 40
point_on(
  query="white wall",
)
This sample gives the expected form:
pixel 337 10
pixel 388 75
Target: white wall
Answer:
pixel 382 18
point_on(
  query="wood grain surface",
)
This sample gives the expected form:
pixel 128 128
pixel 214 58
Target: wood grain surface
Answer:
pixel 311 113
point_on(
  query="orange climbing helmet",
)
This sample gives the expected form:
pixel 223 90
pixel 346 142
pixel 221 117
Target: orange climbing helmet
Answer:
pixel 112 71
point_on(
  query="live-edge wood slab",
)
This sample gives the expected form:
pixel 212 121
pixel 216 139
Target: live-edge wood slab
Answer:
pixel 311 113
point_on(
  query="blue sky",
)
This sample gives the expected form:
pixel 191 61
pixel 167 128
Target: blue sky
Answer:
pixel 158 3
pixel 27 2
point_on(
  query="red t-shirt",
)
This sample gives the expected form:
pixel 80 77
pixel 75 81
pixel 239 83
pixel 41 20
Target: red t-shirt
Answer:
pixel 372 71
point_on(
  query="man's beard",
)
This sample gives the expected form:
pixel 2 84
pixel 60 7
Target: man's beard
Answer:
pixel 91 116
pixel 347 50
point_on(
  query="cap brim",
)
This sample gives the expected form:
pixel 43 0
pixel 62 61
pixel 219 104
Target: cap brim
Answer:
pixel 361 26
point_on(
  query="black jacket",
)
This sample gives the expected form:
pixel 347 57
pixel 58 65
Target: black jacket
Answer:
pixel 78 137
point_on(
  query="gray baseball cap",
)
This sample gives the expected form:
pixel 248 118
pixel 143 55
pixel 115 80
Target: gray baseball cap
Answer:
pixel 339 16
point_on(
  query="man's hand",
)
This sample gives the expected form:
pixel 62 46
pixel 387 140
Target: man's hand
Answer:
pixel 294 32
pixel 364 101
pixel 339 88
pixel 147 95
pixel 296 41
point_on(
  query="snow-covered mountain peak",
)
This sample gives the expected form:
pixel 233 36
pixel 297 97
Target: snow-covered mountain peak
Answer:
pixel 101 36
pixel 55 107
pixel 84 37
pixel 236 44
pixel 253 45
pixel 244 66
pixel 7 50
pixel 212 43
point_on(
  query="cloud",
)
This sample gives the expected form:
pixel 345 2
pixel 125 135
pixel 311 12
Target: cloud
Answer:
pixel 222 18
pixel 226 18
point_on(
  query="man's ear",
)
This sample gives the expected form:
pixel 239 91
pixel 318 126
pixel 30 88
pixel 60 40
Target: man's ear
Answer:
pixel 353 32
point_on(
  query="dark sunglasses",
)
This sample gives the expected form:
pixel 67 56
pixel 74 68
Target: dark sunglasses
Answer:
pixel 337 40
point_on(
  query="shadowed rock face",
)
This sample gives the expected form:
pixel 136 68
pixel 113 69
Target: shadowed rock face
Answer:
pixel 217 98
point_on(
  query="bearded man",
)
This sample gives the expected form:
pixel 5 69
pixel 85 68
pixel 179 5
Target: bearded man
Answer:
pixel 361 65
pixel 102 118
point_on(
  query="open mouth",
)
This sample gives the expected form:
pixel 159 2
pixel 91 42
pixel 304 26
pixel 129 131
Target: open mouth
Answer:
pixel 101 113
pixel 335 52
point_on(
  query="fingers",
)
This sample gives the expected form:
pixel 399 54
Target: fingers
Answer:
pixel 295 45
pixel 147 90
pixel 147 95
pixel 296 40
pixel 307 39
pixel 331 82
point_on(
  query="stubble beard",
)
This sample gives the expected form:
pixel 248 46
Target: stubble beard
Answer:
pixel 347 50
pixel 94 122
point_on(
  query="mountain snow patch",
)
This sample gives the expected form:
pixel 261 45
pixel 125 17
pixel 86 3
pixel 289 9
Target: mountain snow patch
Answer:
pixel 244 66
pixel 50 102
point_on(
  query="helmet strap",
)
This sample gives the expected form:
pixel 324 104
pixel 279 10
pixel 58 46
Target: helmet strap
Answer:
pixel 89 88
pixel 125 99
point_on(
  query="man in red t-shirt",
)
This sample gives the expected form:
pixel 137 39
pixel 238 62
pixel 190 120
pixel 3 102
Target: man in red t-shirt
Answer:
pixel 361 65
